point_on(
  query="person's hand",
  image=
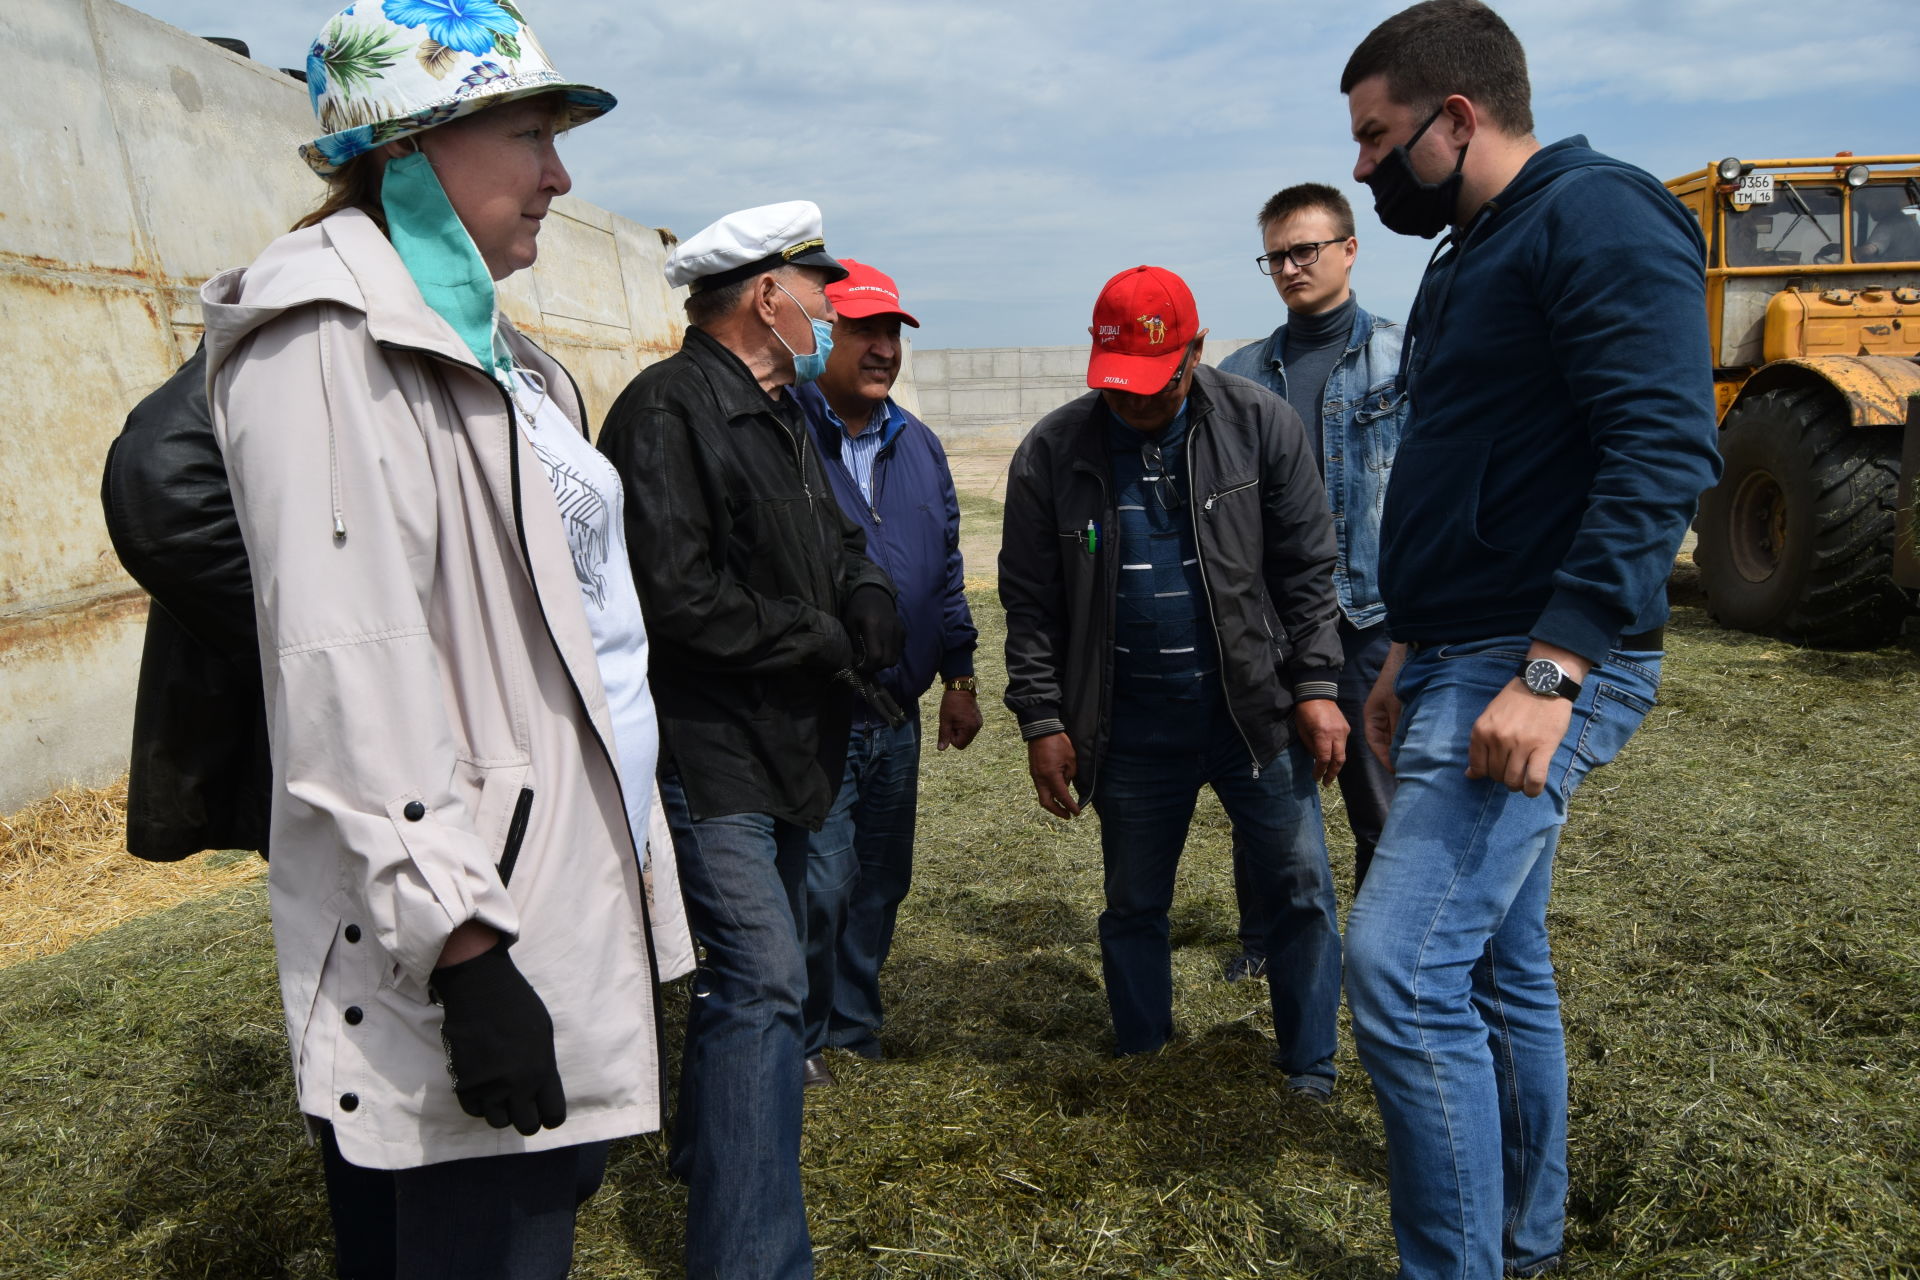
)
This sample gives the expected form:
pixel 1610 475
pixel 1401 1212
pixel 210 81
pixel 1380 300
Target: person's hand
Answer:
pixel 499 1042
pixel 1323 732
pixel 960 719
pixel 873 624
pixel 1382 712
pixel 1050 760
pixel 1515 737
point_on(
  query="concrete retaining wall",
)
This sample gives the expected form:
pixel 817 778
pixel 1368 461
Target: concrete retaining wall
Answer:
pixel 136 160
pixel 986 397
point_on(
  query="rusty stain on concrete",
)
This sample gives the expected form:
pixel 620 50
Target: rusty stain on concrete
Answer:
pixel 69 628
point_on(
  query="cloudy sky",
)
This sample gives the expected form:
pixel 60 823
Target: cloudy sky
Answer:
pixel 1003 158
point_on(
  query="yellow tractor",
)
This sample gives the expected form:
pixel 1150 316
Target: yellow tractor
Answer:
pixel 1813 301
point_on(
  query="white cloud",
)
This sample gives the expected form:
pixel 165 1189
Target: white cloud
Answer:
pixel 1003 158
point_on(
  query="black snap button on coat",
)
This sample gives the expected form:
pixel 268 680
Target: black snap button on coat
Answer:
pixel 349 1101
pixel 354 1015
pixel 414 811
pixel 353 933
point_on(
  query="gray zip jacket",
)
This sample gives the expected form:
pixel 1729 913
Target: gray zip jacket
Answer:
pixel 1266 556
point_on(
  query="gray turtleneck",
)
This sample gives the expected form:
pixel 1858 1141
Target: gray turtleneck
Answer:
pixel 1314 346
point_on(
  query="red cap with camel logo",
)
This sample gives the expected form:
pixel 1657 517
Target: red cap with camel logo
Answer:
pixel 1142 324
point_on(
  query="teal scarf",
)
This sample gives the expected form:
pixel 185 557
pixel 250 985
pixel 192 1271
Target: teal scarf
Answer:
pixel 441 257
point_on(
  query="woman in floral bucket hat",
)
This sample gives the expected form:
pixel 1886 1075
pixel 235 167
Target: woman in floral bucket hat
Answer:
pixel 469 928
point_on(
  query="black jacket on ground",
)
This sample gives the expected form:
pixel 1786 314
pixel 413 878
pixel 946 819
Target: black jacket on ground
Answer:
pixel 1266 551
pixel 200 775
pixel 743 562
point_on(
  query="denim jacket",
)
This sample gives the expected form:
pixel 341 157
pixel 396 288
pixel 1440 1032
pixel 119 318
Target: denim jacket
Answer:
pixel 1364 415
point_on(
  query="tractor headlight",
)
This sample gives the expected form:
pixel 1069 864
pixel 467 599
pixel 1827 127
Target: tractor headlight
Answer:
pixel 1731 170
pixel 1857 175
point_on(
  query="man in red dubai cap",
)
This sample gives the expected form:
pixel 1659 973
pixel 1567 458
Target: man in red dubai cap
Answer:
pixel 890 477
pixel 1167 573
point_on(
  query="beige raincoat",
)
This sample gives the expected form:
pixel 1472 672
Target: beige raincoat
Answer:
pixel 429 676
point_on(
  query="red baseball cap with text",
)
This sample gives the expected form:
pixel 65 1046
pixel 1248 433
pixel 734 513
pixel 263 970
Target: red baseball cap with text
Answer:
pixel 1142 324
pixel 866 292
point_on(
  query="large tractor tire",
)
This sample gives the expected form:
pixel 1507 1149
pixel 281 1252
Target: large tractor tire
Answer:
pixel 1796 540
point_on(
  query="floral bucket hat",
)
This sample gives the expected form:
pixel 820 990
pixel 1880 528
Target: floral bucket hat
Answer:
pixel 386 69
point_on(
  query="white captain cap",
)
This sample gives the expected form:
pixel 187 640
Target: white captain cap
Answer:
pixel 744 244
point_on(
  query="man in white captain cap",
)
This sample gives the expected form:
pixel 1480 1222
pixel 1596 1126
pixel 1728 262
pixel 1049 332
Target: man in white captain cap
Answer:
pixel 757 593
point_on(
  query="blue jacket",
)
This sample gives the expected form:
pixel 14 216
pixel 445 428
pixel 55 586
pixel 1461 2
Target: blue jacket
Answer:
pixel 1363 417
pixel 913 532
pixel 1562 426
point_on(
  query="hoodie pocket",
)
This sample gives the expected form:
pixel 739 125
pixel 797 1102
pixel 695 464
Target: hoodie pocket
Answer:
pixel 1434 530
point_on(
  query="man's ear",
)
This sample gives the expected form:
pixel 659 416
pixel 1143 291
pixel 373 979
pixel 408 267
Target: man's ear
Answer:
pixel 764 294
pixel 1462 119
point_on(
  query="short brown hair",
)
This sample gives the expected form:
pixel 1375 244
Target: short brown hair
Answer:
pixel 1309 195
pixel 355 186
pixel 1442 47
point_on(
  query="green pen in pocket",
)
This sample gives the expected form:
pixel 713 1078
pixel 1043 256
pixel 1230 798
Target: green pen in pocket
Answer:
pixel 1091 538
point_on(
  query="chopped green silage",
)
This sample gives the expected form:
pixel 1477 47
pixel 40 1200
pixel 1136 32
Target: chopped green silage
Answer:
pixel 1737 925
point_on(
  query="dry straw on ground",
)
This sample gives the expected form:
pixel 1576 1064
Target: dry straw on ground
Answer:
pixel 65 873
pixel 1737 930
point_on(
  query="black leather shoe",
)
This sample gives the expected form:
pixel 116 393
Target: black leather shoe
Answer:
pixel 815 1074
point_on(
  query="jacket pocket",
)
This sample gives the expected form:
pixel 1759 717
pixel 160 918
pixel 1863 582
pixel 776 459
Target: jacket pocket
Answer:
pixel 1227 490
pixel 516 834
pixel 1377 419
pixel 1277 637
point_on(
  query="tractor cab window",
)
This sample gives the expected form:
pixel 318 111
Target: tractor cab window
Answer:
pixel 1799 225
pixel 1886 222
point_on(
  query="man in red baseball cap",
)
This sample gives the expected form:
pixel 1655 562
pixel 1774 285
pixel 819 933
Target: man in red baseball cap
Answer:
pixel 890 477
pixel 1167 572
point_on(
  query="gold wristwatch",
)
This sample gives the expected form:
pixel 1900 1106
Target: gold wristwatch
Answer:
pixel 963 684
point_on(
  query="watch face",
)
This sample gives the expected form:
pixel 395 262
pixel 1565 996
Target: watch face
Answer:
pixel 1543 676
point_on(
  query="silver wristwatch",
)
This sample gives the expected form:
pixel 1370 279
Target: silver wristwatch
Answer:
pixel 1549 679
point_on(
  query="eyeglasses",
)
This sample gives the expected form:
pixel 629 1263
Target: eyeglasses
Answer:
pixel 1300 255
pixel 1164 486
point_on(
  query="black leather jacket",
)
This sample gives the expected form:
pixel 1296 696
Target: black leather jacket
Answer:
pixel 743 562
pixel 200 775
pixel 1266 555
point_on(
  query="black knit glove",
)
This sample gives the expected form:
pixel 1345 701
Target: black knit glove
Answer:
pixel 499 1043
pixel 873 624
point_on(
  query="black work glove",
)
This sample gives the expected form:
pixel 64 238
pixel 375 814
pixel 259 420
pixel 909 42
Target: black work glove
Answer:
pixel 873 624
pixel 499 1043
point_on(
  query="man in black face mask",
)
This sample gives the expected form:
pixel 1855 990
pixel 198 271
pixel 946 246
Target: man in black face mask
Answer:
pixel 1561 429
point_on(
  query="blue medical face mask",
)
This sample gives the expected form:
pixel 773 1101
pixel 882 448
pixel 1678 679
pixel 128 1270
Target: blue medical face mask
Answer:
pixel 441 257
pixel 809 367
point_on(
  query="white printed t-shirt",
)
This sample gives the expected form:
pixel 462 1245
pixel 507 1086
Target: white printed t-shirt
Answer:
pixel 588 492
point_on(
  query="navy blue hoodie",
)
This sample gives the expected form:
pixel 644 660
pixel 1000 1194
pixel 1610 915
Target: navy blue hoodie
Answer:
pixel 1562 426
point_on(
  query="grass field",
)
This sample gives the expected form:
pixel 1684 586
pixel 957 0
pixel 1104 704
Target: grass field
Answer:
pixel 1737 917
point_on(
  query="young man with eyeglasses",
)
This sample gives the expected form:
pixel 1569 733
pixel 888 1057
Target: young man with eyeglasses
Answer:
pixel 1167 571
pixel 1560 434
pixel 1337 365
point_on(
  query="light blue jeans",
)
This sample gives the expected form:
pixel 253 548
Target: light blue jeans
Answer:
pixel 1449 975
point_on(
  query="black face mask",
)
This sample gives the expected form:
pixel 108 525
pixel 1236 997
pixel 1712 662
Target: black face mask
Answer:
pixel 1407 206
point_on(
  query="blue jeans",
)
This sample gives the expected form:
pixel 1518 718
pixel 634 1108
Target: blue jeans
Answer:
pixel 859 866
pixel 1161 751
pixel 1366 785
pixel 1449 974
pixel 736 1137
pixel 504 1217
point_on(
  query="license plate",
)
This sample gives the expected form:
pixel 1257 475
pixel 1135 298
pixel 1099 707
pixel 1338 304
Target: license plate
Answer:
pixel 1755 188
